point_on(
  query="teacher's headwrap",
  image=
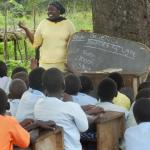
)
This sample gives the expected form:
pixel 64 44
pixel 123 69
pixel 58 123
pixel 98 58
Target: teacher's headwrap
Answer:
pixel 59 6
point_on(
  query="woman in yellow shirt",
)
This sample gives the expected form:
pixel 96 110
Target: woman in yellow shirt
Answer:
pixel 52 35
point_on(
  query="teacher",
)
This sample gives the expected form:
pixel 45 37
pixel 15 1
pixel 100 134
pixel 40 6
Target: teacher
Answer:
pixel 52 35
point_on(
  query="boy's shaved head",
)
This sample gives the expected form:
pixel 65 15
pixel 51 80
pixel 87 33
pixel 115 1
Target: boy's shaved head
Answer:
pixel 17 88
pixel 23 76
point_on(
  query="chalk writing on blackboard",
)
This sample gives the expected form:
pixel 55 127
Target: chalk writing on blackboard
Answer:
pixel 110 48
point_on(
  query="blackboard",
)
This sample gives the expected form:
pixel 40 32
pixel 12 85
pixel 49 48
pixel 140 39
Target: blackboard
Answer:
pixel 95 52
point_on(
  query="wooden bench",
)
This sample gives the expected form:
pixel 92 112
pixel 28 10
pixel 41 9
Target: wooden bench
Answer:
pixel 47 140
pixel 109 131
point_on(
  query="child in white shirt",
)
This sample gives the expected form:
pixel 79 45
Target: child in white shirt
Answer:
pixel 69 115
pixel 4 80
pixel 73 85
pixel 143 93
pixel 138 137
pixel 106 91
pixel 30 97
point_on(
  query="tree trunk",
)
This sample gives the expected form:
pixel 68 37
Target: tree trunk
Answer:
pixel 127 19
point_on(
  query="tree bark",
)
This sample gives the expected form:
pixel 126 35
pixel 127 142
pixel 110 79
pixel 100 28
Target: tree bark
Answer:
pixel 127 19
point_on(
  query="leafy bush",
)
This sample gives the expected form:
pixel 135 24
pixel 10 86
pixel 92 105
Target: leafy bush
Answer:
pixel 11 64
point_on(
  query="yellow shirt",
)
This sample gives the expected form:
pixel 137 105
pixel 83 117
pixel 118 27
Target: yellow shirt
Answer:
pixel 122 100
pixel 53 38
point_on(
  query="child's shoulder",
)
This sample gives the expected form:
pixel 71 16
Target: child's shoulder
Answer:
pixel 10 119
pixel 71 103
pixel 72 106
pixel 138 128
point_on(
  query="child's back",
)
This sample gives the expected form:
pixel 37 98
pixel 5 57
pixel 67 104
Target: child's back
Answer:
pixel 30 97
pixel 27 103
pixel 4 80
pixel 138 137
pixel 11 133
pixel 143 93
pixel 84 99
pixel 69 115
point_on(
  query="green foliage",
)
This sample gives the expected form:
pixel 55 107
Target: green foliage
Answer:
pixel 16 9
pixel 82 20
pixel 11 64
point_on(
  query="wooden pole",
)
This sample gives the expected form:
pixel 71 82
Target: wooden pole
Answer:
pixel 34 18
pixel 26 50
pixel 34 14
pixel 5 31
pixel 15 49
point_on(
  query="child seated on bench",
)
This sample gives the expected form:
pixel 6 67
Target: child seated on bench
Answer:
pixel 4 79
pixel 68 115
pixel 30 97
pixel 143 93
pixel 73 85
pixel 121 99
pixel 107 90
pixel 11 132
pixel 16 89
pixel 138 137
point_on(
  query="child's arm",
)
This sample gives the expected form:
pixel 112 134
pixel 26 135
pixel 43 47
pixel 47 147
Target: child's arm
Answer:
pixel 29 34
pixel 30 124
pixel 41 124
pixel 92 119
pixel 92 109
pixel 95 111
pixel 70 69
pixel 80 118
pixel 33 63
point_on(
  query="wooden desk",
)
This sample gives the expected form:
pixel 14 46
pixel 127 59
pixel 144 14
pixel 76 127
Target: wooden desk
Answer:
pixel 110 129
pixel 47 140
pixel 130 79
